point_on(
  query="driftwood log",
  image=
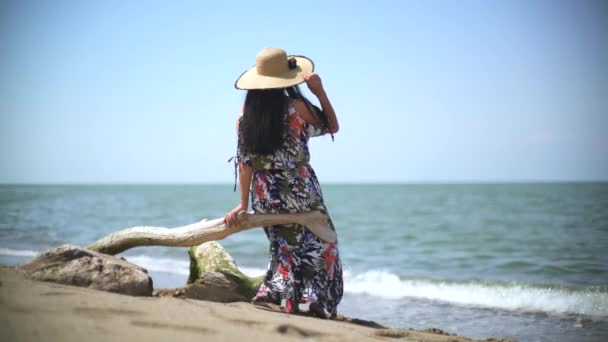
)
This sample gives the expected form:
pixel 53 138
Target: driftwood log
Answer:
pixel 215 276
pixel 197 233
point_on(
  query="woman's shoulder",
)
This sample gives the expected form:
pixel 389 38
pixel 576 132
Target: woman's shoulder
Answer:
pixel 303 110
pixel 238 122
pixel 296 103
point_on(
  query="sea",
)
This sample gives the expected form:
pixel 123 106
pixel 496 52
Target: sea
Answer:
pixel 527 261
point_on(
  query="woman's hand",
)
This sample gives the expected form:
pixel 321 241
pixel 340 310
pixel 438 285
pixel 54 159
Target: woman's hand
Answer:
pixel 231 219
pixel 313 81
pixel 316 87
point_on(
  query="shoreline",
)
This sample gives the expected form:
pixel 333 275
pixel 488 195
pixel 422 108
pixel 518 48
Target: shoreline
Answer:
pixel 54 312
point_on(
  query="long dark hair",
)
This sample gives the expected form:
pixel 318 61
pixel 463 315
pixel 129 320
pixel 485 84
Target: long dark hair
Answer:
pixel 262 125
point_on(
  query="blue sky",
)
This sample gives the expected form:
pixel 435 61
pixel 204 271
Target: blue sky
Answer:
pixel 425 91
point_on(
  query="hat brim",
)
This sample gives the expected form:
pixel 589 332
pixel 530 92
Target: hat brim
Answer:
pixel 250 79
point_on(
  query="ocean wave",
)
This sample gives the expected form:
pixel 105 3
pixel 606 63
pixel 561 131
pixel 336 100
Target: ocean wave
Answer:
pixel 17 252
pixel 517 297
pixel 158 264
pixel 178 266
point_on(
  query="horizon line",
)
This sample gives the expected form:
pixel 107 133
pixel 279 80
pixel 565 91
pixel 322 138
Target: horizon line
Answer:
pixel 422 182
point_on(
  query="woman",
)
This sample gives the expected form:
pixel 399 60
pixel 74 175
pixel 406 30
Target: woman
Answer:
pixel 273 158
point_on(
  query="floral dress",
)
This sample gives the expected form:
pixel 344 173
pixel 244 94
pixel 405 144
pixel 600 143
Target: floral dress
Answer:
pixel 302 268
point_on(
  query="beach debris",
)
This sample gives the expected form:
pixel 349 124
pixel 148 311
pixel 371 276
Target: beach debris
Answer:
pixel 357 321
pixel 295 331
pixel 215 276
pixel 208 230
pixel 392 332
pixel 438 331
pixel 73 265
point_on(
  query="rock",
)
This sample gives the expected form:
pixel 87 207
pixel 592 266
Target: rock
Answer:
pixel 215 276
pixel 73 265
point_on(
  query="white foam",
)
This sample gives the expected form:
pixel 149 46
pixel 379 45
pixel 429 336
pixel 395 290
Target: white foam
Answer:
pixel 503 296
pixel 158 264
pixel 178 266
pixel 252 271
pixel 17 252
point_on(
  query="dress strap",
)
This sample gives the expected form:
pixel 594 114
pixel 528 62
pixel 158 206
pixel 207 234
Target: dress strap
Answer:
pixel 236 161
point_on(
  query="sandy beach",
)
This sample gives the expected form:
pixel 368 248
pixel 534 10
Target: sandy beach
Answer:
pixel 39 311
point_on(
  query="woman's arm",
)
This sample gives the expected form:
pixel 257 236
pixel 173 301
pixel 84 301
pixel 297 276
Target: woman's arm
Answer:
pixel 316 87
pixel 245 174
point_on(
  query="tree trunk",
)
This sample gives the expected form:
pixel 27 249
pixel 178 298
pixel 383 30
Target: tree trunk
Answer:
pixel 197 233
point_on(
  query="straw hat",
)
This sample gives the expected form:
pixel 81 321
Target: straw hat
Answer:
pixel 274 69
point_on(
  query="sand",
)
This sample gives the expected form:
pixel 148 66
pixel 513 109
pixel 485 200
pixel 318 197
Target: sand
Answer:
pixel 38 311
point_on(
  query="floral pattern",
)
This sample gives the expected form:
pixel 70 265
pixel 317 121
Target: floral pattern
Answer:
pixel 302 268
